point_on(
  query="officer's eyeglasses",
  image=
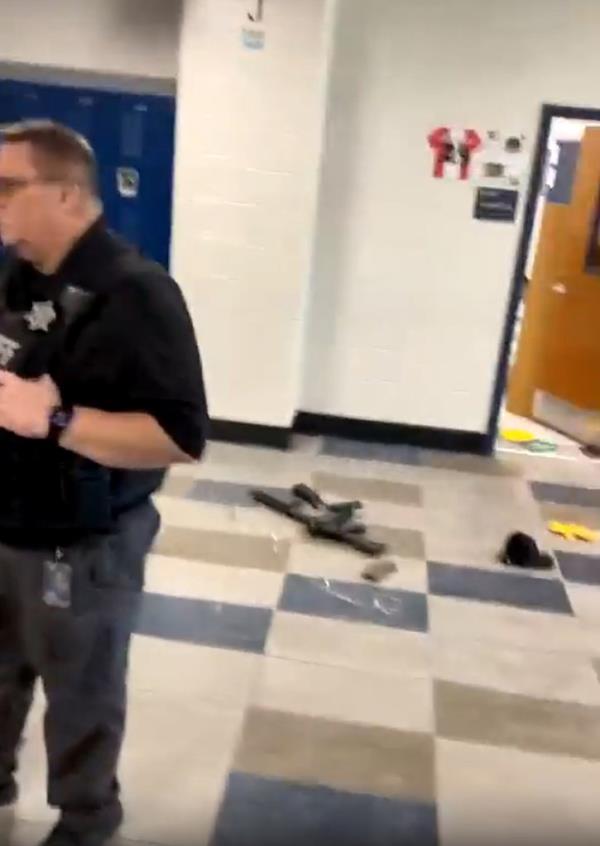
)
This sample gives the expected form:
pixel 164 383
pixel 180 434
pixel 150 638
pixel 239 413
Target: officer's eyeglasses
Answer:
pixel 11 185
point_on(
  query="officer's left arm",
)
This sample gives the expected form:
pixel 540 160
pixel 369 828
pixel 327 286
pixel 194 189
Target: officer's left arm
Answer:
pixel 120 440
pixel 127 441
pixel 166 420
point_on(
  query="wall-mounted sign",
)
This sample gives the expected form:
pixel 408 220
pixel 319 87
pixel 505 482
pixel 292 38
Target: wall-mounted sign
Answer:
pixel 453 152
pixel 503 159
pixel 128 182
pixel 496 204
pixel 253 39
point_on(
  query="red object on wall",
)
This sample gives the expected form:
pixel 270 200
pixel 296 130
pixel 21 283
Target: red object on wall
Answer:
pixel 450 150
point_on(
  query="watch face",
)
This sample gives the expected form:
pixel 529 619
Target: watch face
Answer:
pixel 61 418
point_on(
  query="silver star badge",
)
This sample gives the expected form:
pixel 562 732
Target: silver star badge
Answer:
pixel 41 317
pixel 8 349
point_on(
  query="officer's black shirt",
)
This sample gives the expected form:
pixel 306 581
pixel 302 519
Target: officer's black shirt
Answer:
pixel 136 353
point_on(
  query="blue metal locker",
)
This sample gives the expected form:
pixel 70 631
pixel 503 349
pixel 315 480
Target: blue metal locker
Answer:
pixel 133 137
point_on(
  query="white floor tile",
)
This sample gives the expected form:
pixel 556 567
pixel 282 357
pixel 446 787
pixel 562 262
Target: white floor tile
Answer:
pixel 338 693
pixel 213 582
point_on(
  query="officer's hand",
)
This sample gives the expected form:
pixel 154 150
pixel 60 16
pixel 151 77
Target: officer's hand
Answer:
pixel 26 404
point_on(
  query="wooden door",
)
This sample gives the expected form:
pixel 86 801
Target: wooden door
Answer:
pixel 556 375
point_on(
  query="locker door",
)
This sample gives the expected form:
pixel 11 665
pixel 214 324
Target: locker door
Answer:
pixel 81 110
pixel 24 100
pixel 8 113
pixel 78 108
pixel 138 186
pixel 156 187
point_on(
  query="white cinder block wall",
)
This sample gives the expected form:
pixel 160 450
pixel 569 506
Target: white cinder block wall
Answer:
pixel 409 293
pixel 135 37
pixel 248 146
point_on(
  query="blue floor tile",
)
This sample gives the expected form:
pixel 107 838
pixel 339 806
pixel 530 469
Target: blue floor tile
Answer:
pixel 355 602
pixel 263 812
pixel 209 623
pixel 583 569
pixel 566 494
pixel 520 591
pixel 229 493
pixel 392 453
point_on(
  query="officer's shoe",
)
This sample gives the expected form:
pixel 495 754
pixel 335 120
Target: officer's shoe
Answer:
pixel 64 835
pixel 9 794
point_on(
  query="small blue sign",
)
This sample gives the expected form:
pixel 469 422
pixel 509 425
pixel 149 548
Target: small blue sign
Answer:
pixel 496 204
pixel 254 39
pixel 564 182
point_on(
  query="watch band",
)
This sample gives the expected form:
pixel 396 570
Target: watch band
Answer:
pixel 60 419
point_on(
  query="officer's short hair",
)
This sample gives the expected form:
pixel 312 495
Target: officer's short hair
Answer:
pixel 60 152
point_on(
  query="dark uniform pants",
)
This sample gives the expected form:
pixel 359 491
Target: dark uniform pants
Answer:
pixel 81 655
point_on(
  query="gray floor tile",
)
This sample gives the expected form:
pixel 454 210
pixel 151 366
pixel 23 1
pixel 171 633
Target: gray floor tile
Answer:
pixel 580 474
pixel 355 602
pixel 478 715
pixel 208 623
pixel 346 695
pixel 405 543
pixel 270 812
pixel 344 756
pixel 501 588
pixel 583 569
pixel 566 494
pixel 585 601
pixel 462 463
pixel 468 517
pixel 525 672
pixel 229 493
pixel 342 643
pixel 307 444
pixel 233 549
pixel 505 626
pixel 589 517
pixel 367 489
pixel 392 453
pixel 490 796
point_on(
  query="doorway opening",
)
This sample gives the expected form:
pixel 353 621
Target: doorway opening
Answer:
pixel 547 398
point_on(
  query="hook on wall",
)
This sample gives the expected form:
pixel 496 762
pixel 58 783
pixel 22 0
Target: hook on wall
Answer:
pixel 259 14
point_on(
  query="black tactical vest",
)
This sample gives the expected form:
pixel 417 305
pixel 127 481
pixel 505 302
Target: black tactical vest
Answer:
pixel 43 488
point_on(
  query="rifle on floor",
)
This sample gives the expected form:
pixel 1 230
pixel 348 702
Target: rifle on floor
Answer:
pixel 331 521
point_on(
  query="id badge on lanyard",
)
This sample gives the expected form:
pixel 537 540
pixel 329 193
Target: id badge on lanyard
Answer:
pixel 57 582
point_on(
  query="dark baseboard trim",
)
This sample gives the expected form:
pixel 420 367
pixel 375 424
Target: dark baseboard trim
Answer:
pixel 278 437
pixel 251 434
pixel 450 440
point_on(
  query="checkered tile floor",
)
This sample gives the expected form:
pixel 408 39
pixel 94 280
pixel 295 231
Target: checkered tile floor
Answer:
pixel 278 700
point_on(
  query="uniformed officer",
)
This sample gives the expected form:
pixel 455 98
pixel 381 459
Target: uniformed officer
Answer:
pixel 101 389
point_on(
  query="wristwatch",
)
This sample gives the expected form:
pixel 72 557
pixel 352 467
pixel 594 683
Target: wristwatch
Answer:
pixel 60 419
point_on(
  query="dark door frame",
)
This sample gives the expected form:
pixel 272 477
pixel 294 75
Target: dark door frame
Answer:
pixel 549 112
